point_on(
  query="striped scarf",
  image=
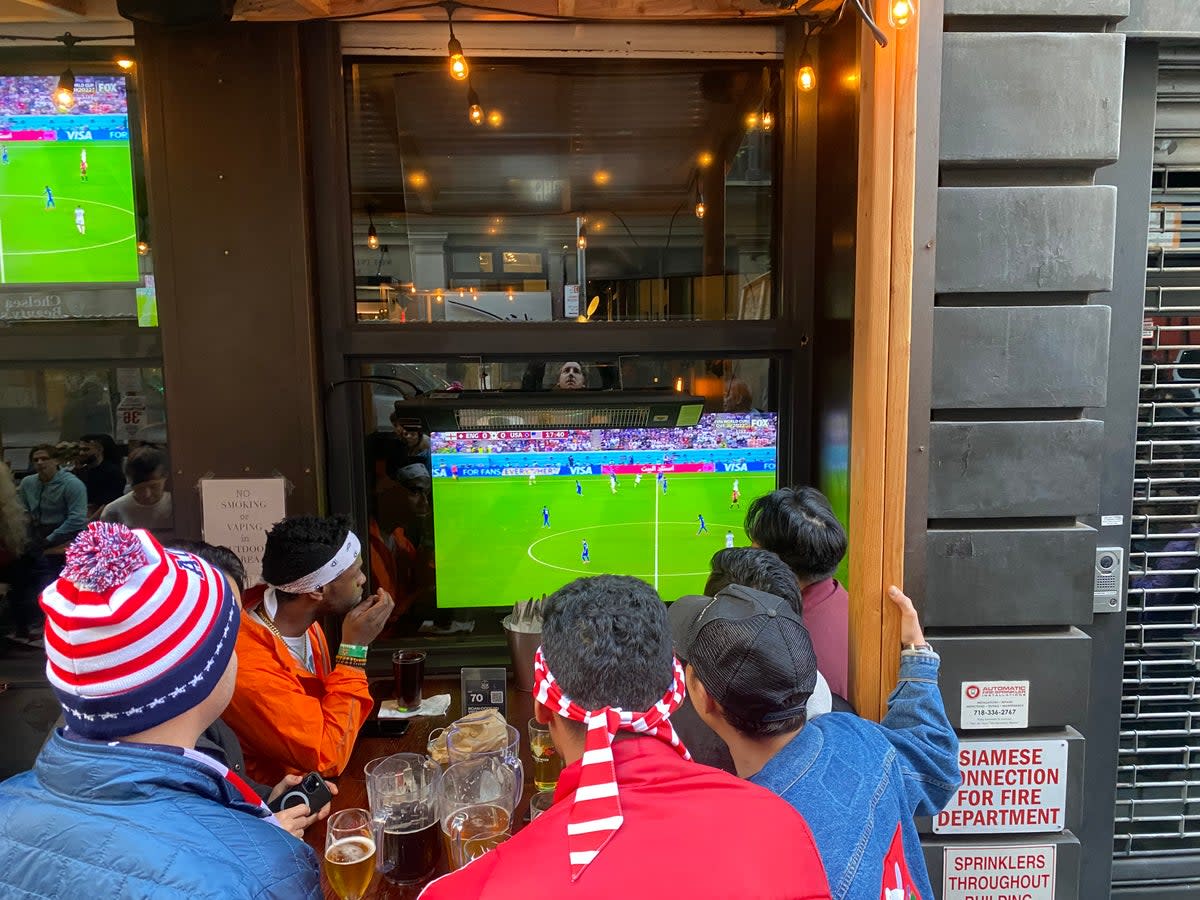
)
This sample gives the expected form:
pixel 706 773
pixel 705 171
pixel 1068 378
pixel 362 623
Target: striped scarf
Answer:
pixel 596 810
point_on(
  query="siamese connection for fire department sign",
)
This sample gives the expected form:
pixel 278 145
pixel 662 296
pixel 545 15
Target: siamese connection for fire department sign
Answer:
pixel 1007 787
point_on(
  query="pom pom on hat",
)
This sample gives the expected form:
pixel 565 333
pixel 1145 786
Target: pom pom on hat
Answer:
pixel 103 557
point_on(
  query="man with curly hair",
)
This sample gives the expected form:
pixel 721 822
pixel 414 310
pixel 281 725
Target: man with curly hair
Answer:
pixel 298 707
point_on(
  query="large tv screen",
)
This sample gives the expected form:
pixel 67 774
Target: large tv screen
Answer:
pixel 520 513
pixel 66 183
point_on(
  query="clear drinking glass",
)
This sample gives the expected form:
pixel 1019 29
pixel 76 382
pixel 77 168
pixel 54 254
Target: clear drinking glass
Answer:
pixel 349 853
pixel 509 755
pixel 547 763
pixel 403 794
pixel 539 803
pixel 475 807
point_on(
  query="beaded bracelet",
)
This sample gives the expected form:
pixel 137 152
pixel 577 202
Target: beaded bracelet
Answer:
pixel 350 661
pixel 354 651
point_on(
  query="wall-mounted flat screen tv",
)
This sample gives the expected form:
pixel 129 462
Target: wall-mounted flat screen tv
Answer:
pixel 66 183
pixel 521 513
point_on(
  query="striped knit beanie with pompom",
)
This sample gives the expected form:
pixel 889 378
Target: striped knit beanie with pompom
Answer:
pixel 135 635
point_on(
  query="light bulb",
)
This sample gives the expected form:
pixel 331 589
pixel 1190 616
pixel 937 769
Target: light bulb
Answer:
pixel 142 248
pixel 701 209
pixel 806 75
pixel 768 120
pixel 581 242
pixel 64 92
pixel 751 121
pixel 900 12
pixel 125 63
pixel 459 70
pixel 705 159
pixel 474 108
pixel 495 118
pixel 372 238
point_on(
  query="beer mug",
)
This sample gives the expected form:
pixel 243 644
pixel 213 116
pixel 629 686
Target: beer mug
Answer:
pixel 508 755
pixel 402 792
pixel 475 807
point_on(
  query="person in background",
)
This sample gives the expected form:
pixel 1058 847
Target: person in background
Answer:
pixel 148 503
pixel 57 505
pixel 297 708
pixel 798 525
pixel 218 740
pixel 633 815
pixel 766 572
pixel 14 531
pixel 119 803
pixel 99 468
pixel 751 668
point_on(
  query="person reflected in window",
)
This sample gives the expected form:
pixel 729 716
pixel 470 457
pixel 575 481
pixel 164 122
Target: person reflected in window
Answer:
pixel 99 468
pixel 570 377
pixel 57 505
pixel 148 503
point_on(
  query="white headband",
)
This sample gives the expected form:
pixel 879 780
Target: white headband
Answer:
pixel 341 562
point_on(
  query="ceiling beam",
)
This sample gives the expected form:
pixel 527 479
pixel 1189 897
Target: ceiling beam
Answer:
pixel 317 8
pixel 63 9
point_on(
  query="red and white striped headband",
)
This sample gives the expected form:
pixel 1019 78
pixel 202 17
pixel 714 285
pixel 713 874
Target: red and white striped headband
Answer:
pixel 596 811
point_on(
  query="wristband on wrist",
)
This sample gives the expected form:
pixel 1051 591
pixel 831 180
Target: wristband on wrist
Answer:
pixel 351 661
pixel 353 651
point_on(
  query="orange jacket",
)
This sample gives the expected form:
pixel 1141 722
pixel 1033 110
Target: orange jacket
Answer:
pixel 287 719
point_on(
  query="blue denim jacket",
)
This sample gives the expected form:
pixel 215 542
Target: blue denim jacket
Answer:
pixel 854 781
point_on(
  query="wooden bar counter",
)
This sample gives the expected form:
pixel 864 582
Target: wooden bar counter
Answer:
pixel 352 786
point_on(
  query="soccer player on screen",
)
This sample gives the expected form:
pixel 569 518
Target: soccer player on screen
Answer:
pixel 80 223
pixel 545 517
pixel 3 156
pixel 663 482
pixel 729 540
pixel 703 526
pixel 637 479
pixel 83 169
pixel 532 479
pixel 612 482
pixel 578 488
pixel 586 555
pixel 49 198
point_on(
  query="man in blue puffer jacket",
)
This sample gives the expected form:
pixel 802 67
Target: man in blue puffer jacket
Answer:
pixel 140 651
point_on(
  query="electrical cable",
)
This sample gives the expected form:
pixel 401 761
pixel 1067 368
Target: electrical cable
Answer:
pixel 880 38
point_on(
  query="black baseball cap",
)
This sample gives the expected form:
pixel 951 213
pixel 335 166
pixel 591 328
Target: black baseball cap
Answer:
pixel 749 649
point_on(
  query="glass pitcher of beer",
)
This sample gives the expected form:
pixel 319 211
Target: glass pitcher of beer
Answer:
pixel 349 853
pixel 460 750
pixel 475 806
pixel 402 791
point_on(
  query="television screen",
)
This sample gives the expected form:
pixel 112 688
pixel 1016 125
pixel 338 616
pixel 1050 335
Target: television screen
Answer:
pixel 66 183
pixel 518 514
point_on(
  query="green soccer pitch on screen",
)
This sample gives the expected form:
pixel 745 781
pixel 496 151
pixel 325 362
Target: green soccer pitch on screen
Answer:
pixel 66 183
pixel 518 514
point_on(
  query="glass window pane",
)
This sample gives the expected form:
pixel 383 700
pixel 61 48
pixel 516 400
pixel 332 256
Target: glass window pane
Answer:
pixel 464 522
pixel 96 418
pixel 615 190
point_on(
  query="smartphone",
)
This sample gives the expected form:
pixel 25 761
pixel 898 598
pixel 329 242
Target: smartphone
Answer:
pixel 311 790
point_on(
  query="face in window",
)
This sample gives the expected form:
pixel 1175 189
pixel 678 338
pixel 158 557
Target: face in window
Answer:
pixel 44 464
pixel 570 377
pixel 150 491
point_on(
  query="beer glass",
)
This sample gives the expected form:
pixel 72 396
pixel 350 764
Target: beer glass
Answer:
pixel 408 672
pixel 547 764
pixel 539 803
pixel 349 853
pixel 508 755
pixel 475 806
pixel 403 795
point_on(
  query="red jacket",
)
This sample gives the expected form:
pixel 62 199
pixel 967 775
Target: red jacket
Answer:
pixel 288 719
pixel 689 831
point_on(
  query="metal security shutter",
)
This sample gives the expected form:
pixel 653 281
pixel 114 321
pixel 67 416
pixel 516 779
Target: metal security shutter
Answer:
pixel 1158 780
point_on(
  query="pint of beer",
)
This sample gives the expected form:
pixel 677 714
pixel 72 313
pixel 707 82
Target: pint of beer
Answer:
pixel 349 853
pixel 472 831
pixel 547 764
